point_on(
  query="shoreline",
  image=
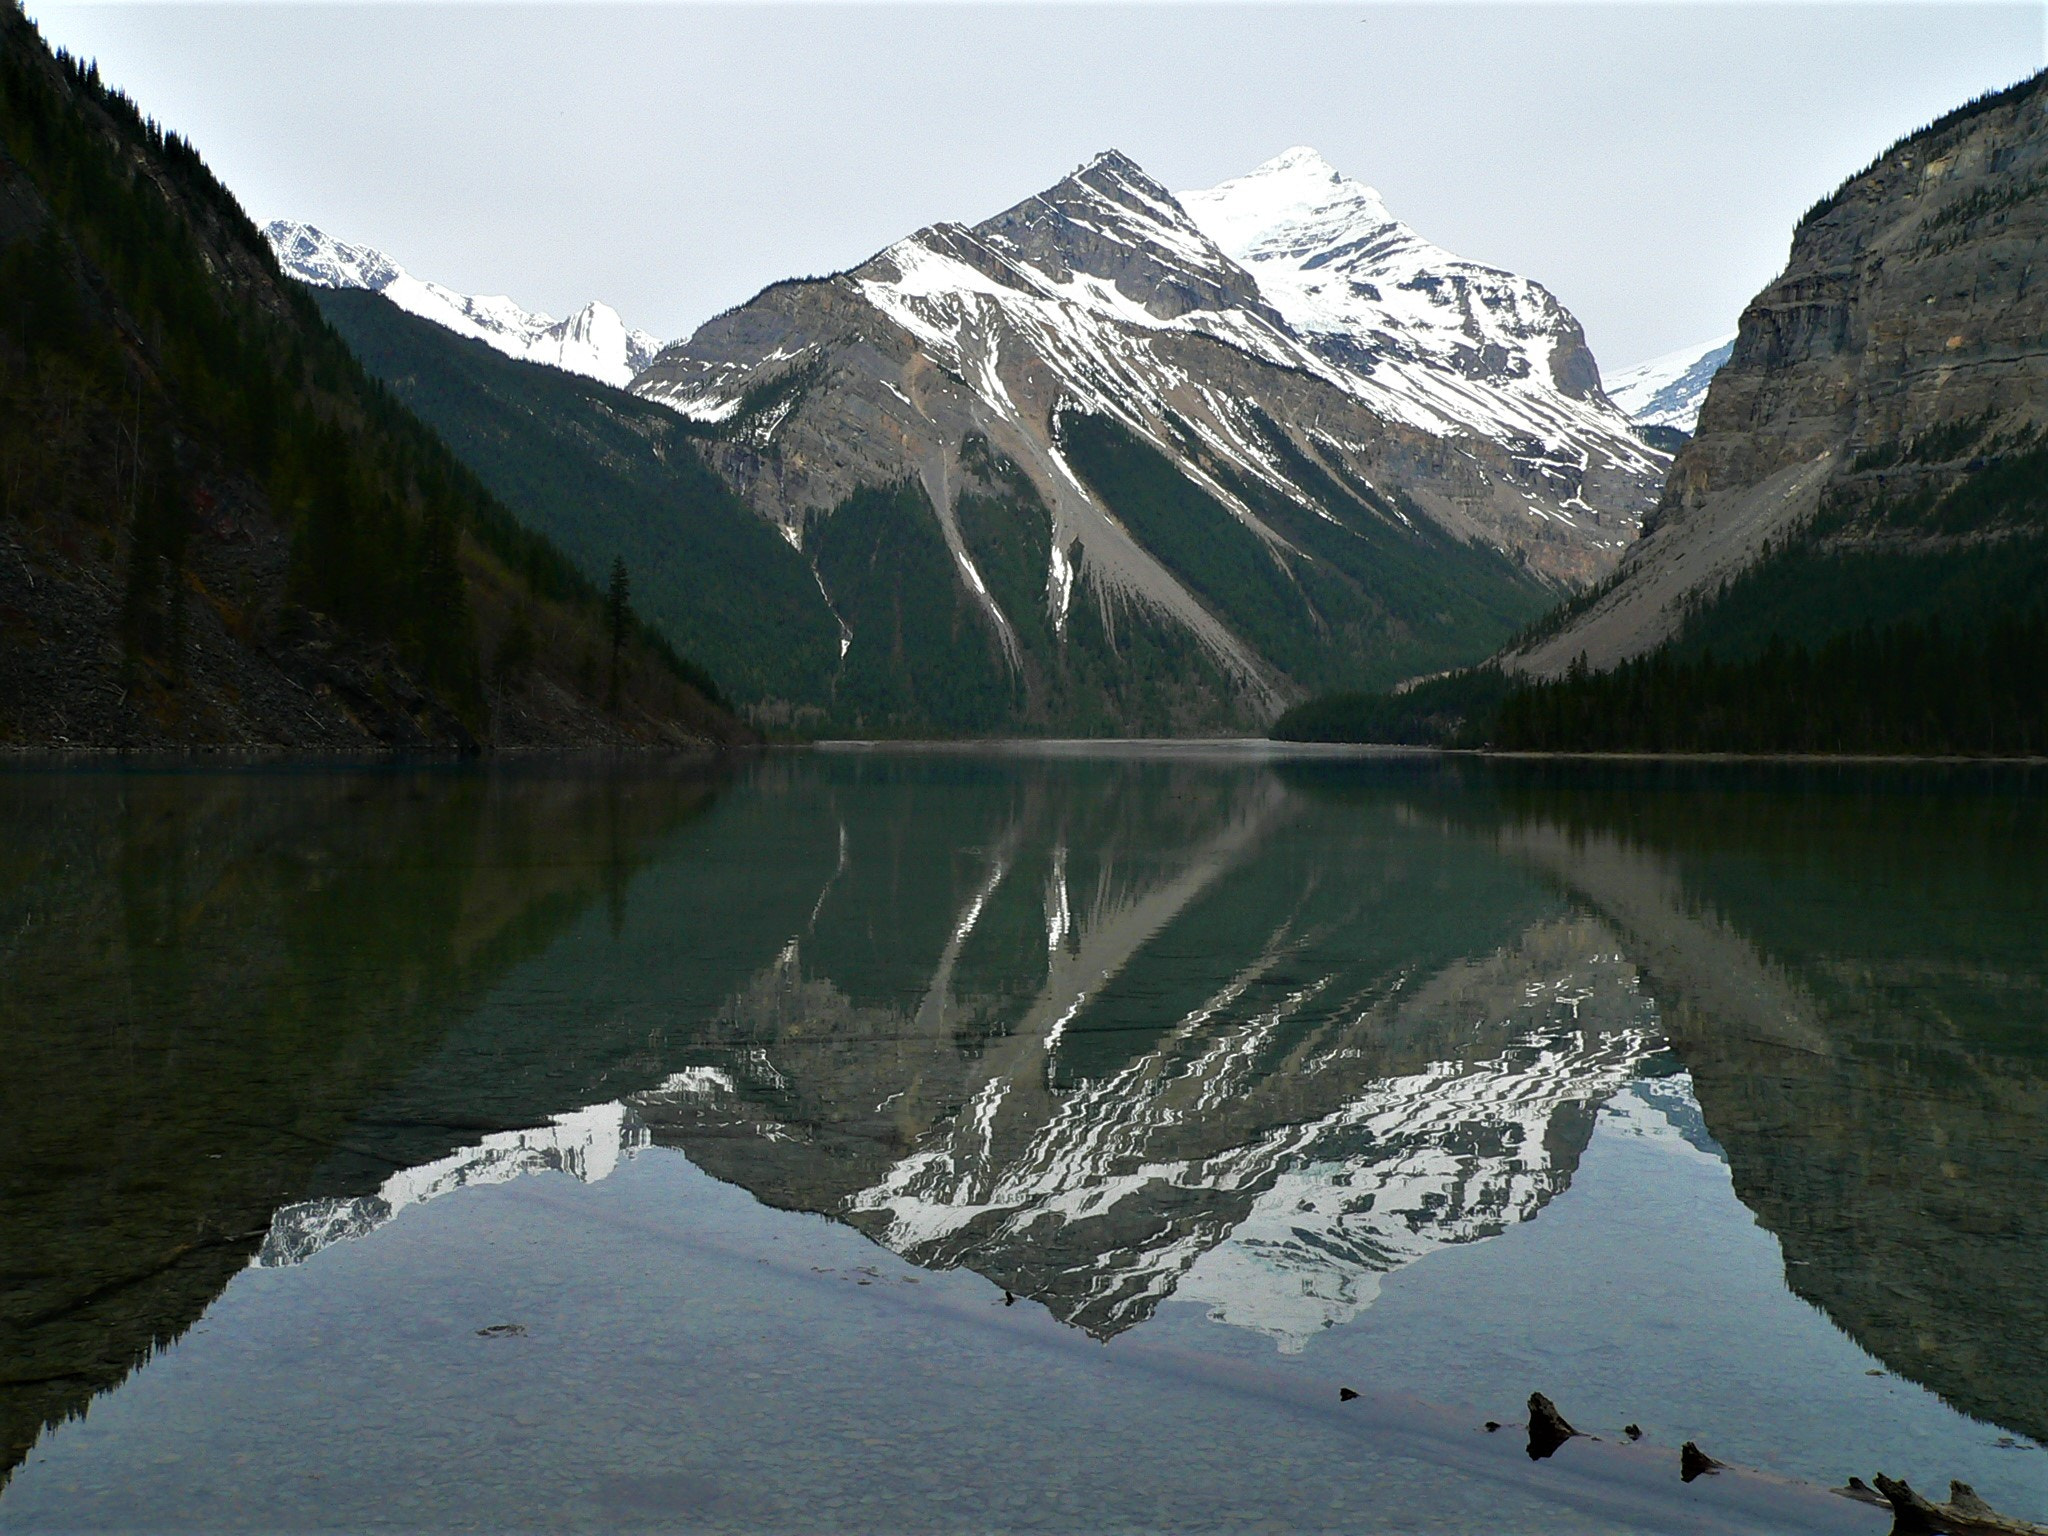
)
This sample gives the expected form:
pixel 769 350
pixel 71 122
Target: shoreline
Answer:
pixel 1246 748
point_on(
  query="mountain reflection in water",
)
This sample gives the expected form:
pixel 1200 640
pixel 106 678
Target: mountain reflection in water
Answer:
pixel 1105 1031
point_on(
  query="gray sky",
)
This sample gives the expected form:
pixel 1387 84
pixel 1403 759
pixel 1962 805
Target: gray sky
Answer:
pixel 1646 162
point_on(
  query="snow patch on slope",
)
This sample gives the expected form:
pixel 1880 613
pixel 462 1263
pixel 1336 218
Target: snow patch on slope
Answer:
pixel 587 1144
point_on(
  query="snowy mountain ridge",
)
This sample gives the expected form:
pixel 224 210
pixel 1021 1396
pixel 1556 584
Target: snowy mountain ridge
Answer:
pixel 1476 407
pixel 1294 263
pixel 594 342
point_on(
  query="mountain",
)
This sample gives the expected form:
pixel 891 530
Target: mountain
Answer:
pixel 1871 451
pixel 1074 469
pixel 219 531
pixel 594 341
pixel 1668 391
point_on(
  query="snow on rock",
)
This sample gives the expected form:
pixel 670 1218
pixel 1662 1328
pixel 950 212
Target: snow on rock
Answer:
pixel 594 342
pixel 1245 332
pixel 1668 391
pixel 1423 336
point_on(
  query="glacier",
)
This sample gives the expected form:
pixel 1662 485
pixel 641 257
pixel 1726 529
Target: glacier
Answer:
pixel 594 342
pixel 1668 391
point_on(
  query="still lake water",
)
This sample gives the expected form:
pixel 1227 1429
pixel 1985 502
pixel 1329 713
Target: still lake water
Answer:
pixel 966 1141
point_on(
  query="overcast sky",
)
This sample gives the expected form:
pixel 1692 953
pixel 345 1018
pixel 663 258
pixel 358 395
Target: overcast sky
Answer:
pixel 1646 162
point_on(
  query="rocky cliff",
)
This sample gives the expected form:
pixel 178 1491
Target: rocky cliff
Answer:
pixel 1899 358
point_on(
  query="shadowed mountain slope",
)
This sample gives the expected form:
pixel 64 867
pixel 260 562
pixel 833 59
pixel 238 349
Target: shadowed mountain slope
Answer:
pixel 218 530
pixel 607 476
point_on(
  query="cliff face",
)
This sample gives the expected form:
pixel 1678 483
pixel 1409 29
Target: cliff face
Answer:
pixel 1900 353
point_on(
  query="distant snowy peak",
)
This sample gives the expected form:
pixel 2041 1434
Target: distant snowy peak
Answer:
pixel 1668 391
pixel 1431 338
pixel 593 342
pixel 318 258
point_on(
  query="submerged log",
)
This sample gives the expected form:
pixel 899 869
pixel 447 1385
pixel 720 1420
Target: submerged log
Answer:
pixel 1965 1514
pixel 1694 1462
pixel 1547 1427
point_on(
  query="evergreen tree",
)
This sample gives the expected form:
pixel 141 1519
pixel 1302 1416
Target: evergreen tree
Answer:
pixel 618 613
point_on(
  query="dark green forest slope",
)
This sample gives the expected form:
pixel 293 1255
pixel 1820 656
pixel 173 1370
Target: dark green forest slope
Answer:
pixel 1905 624
pixel 1902 624
pixel 217 530
pixel 1361 596
pixel 607 475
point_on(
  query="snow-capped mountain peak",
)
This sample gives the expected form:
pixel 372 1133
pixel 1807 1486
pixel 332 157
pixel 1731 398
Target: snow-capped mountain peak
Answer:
pixel 1668 391
pixel 1449 345
pixel 594 342
pixel 1294 198
pixel 1238 333
pixel 315 257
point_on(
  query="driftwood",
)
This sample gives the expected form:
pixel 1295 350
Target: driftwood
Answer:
pixel 1694 1462
pixel 1963 1515
pixel 1547 1427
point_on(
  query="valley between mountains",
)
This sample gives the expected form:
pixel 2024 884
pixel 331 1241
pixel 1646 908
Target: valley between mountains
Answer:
pixel 1114 461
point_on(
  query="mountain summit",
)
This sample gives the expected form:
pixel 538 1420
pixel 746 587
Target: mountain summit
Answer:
pixel 1426 337
pixel 594 341
pixel 1164 469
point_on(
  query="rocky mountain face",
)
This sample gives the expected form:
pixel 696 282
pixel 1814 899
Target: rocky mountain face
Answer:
pixel 1884 398
pixel 1668 391
pixel 594 341
pixel 1153 483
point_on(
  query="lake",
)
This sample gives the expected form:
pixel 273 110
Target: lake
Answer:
pixel 1061 1139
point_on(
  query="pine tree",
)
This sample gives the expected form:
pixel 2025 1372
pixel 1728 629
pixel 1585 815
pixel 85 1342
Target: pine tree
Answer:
pixel 618 611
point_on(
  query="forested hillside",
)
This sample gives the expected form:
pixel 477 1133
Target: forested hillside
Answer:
pixel 214 528
pixel 1840 640
pixel 606 475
